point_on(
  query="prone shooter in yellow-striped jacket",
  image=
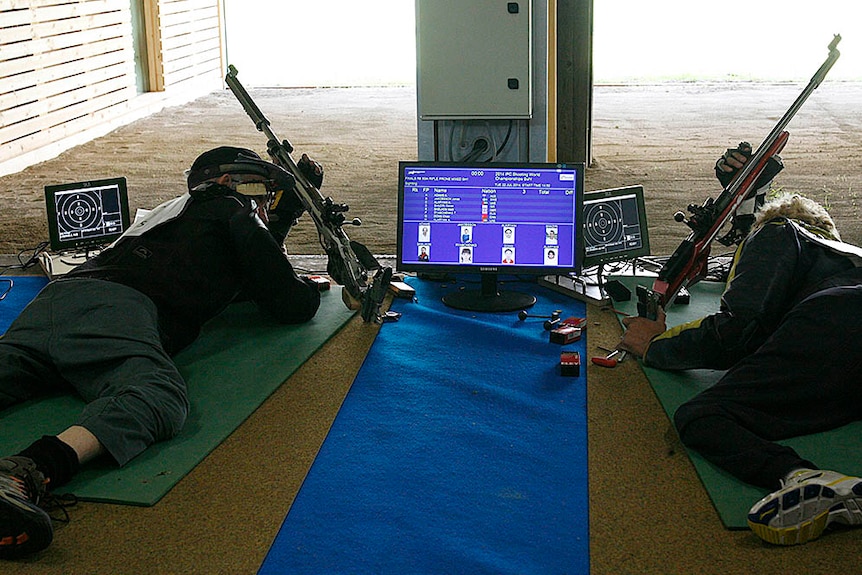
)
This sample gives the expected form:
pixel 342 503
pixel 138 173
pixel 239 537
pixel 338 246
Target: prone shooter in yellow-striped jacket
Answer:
pixel 794 293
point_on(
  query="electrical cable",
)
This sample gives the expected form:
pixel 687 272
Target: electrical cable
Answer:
pixel 30 261
pixel 486 142
pixel 8 289
pixel 22 264
pixel 506 139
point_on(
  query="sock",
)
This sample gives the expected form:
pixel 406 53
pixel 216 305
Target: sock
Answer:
pixel 56 460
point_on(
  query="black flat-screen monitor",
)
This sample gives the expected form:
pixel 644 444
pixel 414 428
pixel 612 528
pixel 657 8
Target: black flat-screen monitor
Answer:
pixel 492 219
pixel 85 215
pixel 615 226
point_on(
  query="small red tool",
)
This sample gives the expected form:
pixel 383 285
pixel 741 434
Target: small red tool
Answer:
pixel 610 360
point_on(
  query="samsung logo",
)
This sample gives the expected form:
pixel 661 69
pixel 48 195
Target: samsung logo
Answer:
pixel 487 269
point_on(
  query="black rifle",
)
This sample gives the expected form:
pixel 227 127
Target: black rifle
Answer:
pixel 350 262
pixel 688 264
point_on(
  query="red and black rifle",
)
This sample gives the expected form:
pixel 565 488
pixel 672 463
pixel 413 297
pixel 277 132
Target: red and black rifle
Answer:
pixel 350 262
pixel 688 264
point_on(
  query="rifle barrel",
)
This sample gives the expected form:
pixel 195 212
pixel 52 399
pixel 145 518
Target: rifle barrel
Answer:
pixel 789 114
pixel 688 259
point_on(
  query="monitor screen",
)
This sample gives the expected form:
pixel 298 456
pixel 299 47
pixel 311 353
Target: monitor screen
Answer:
pixel 490 218
pixel 83 215
pixel 615 226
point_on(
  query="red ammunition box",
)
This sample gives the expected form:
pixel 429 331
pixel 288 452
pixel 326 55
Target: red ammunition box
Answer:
pixel 570 363
pixel 401 289
pixel 574 322
pixel 565 335
pixel 321 282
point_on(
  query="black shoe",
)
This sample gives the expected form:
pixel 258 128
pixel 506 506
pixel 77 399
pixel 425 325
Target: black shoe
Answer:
pixel 24 527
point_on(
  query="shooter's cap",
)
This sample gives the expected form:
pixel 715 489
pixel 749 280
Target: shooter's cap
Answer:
pixel 230 160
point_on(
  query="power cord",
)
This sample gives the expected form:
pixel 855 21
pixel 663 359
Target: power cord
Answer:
pixel 22 264
pixel 31 260
pixel 6 291
pixel 486 143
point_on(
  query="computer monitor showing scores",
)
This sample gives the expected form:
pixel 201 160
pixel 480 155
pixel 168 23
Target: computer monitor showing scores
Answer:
pixel 86 215
pixel 490 219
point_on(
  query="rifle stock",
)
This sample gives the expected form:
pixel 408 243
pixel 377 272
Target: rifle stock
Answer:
pixel 688 264
pixel 349 262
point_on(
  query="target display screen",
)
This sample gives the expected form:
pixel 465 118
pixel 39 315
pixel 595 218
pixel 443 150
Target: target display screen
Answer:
pixel 490 217
pixel 615 225
pixel 86 214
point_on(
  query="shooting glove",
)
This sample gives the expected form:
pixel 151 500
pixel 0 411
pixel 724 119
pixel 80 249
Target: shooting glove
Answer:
pixel 312 170
pixel 730 156
pixel 743 218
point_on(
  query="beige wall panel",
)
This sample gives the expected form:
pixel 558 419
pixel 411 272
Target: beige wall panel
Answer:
pixel 67 68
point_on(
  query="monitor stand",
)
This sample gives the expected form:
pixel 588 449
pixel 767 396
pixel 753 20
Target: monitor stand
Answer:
pixel 587 288
pixel 590 287
pixel 59 264
pixel 489 298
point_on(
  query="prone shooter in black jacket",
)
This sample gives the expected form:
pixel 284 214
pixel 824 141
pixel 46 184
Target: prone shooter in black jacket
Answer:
pixel 788 332
pixel 109 329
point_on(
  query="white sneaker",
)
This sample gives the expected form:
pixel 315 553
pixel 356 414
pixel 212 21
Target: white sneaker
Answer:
pixel 810 500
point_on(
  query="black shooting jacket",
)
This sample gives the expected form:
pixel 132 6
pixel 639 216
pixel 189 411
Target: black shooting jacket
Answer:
pixel 774 268
pixel 194 256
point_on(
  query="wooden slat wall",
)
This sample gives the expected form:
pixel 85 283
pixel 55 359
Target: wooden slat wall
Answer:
pixel 67 66
pixel 191 40
pixel 63 65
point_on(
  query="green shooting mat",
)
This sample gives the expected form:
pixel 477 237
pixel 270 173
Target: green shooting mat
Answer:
pixel 839 449
pixel 240 359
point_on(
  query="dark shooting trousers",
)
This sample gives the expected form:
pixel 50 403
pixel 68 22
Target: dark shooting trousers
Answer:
pixel 806 378
pixel 100 339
